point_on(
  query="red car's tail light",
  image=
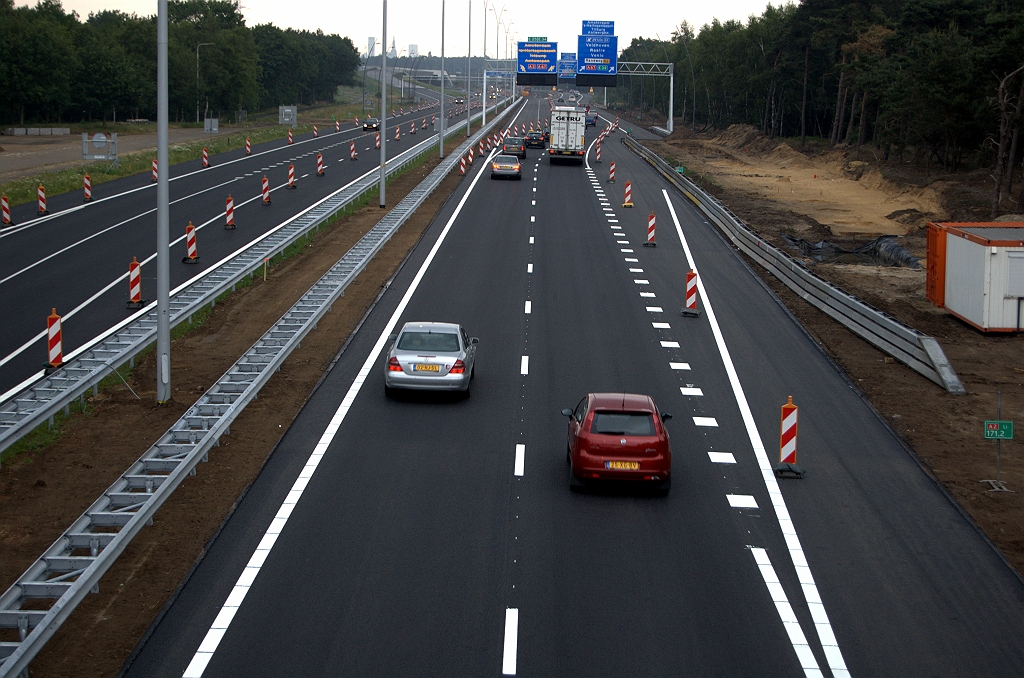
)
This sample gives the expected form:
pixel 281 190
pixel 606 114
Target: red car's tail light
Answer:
pixel 458 368
pixel 393 365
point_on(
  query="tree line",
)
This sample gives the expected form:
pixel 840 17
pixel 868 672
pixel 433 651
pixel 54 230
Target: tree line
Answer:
pixel 54 67
pixel 921 76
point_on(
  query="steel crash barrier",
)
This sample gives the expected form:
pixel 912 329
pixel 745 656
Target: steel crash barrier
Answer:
pixel 920 352
pixel 43 396
pixel 47 593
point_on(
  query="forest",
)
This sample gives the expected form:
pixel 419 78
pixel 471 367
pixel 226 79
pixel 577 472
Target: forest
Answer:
pixel 939 79
pixel 55 67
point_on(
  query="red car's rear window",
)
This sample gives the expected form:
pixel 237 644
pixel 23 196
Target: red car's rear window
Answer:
pixel 623 423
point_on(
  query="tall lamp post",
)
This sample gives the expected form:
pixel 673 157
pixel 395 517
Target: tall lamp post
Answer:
pixel 163 209
pixel 202 44
pixel 441 117
pixel 469 63
pixel 383 102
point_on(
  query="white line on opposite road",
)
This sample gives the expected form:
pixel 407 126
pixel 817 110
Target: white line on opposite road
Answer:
pixel 520 460
pixel 206 649
pixel 508 655
pixel 524 365
pixel 826 636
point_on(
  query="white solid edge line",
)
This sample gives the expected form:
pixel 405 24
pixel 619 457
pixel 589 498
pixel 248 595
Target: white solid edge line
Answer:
pixel 796 635
pixel 520 467
pixel 822 626
pixel 217 630
pixel 511 645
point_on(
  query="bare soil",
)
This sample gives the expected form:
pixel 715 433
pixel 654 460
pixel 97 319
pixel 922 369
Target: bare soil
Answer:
pixel 773 188
pixel 43 492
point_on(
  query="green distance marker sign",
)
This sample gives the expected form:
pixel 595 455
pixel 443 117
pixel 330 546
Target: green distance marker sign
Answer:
pixel 998 430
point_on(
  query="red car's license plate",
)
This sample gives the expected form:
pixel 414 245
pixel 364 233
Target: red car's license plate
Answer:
pixel 622 465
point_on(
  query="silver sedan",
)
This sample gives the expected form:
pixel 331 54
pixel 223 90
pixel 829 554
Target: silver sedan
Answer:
pixel 506 166
pixel 430 356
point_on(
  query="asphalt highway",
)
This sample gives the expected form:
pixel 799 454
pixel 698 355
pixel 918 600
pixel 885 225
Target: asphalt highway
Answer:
pixel 76 258
pixel 438 536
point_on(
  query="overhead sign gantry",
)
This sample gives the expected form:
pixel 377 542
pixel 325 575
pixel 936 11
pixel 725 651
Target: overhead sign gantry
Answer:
pixel 597 55
pixel 537 63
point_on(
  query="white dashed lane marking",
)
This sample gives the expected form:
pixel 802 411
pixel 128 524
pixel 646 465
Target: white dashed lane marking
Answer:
pixel 741 501
pixel 524 365
pixel 642 282
pixel 661 326
pixel 722 457
pixel 679 366
pixel 529 306
pixel 670 344
pixel 520 460
pixel 690 391
pixel 531 239
pixel 706 421
pixel 508 655
pixel 648 295
pixel 626 251
pixel 654 309
pixel 529 268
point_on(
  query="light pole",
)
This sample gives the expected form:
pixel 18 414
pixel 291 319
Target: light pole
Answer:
pixel 202 44
pixel 441 117
pixel 497 22
pixel 163 209
pixel 469 62
pixel 383 103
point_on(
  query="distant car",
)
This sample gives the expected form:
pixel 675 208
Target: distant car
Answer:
pixel 618 437
pixel 591 120
pixel 514 146
pixel 371 123
pixel 430 356
pixel 492 97
pixel 460 100
pixel 535 139
pixel 506 166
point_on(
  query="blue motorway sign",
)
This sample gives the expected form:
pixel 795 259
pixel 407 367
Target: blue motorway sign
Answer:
pixel 537 57
pixel 598 55
pixel 568 55
pixel 567 67
pixel 498 74
pixel 598 28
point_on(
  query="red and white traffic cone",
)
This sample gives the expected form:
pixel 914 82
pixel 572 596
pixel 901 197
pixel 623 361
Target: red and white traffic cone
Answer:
pixel 690 310
pixel 266 191
pixel 377 142
pixel 352 150
pixel 650 231
pixel 229 213
pixel 517 129
pixel 54 341
pixel 153 174
pixel 627 201
pixel 597 152
pixel 316 131
pixel 134 284
pixel 611 172
pixel 398 133
pixel 424 125
pixel 289 136
pixel 191 251
pixel 248 146
pixel 412 127
pixel 5 210
pixel 291 177
pixel 319 165
pixel 41 199
pixel 206 158
pixel 470 155
pixel 462 166
pixel 337 125
pixel 787 443
pixel 87 188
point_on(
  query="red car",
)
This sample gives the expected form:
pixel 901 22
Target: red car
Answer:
pixel 618 436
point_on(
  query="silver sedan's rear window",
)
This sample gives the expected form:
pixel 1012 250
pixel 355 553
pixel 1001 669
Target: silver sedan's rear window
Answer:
pixel 428 341
pixel 623 423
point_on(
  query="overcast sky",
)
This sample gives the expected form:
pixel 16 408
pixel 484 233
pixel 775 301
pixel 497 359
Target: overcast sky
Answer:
pixel 419 21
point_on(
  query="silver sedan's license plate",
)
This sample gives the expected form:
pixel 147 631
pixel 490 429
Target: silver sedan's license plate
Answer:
pixel 420 367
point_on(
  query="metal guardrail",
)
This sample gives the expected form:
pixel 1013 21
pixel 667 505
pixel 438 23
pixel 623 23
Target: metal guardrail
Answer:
pixel 87 366
pixel 74 564
pixel 920 352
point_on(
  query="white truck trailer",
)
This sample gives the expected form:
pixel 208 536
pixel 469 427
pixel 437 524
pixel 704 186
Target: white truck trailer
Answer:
pixel 568 127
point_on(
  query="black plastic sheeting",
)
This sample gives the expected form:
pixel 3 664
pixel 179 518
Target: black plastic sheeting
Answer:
pixel 882 251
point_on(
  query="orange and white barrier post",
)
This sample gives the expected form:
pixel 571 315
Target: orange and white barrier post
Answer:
pixel 191 251
pixel 289 136
pixel 352 150
pixel 433 119
pixel 627 201
pixel 597 152
pixel 153 173
pixel 424 125
pixel 611 172
pixel 337 125
pixel 229 213
pixel 470 155
pixel 481 149
pixel 690 310
pixel 650 231
pixel 206 158
pixel 291 177
pixel 86 188
pixel 412 127
pixel 5 210
pixel 462 165
pixel 134 284
pixel 248 146
pixel 54 342
pixel 319 165
pixel 378 140
pixel 398 133
pixel 266 191
pixel 316 131
pixel 787 442
pixel 41 199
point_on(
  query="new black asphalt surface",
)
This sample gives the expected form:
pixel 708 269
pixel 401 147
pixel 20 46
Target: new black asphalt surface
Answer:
pixel 414 535
pixel 63 260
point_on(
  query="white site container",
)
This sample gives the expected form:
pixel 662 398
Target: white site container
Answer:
pixel 979 268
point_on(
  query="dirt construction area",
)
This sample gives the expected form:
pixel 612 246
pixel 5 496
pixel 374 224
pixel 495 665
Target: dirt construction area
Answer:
pixel 41 493
pixel 829 196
